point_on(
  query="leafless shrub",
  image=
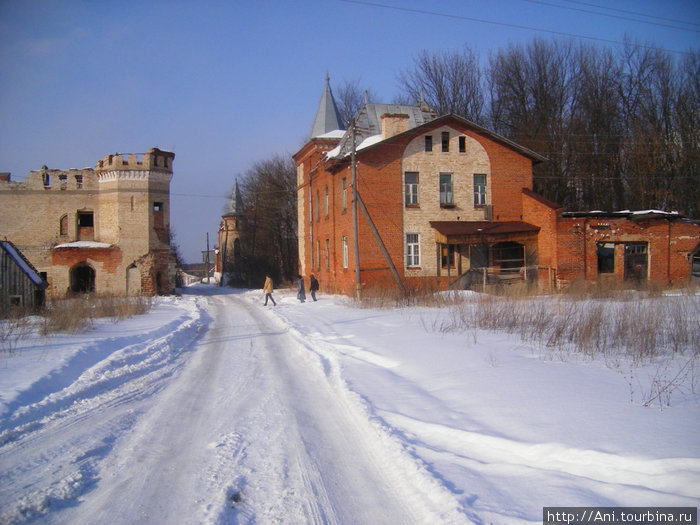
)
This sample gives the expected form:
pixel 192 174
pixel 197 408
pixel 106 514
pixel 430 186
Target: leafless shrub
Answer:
pixel 75 314
pixel 12 330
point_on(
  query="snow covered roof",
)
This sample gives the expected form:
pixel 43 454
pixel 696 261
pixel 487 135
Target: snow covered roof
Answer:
pixel 23 263
pixel 637 214
pixel 83 244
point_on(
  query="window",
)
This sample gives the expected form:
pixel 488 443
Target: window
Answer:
pixel 345 252
pixel 328 253
pixel 79 181
pixel 479 189
pixel 446 197
pixel 158 221
pixel 344 194
pixel 85 219
pixel 86 226
pixel 445 141
pixel 63 225
pixel 318 206
pixel 47 179
pixel 428 143
pixel 412 250
pixel 411 188
pixel 325 202
pixel 462 144
pixel 606 257
pixel 63 179
pixel 318 255
pixel 448 256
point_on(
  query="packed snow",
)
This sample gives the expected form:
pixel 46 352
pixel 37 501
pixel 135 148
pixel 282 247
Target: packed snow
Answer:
pixel 215 409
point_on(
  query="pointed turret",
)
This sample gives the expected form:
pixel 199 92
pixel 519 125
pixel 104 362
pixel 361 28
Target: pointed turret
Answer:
pixel 235 207
pixel 327 117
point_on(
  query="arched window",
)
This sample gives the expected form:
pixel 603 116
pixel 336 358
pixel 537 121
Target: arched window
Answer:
pixel 63 225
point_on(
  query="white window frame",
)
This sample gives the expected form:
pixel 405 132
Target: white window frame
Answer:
pixel 411 189
pixel 447 197
pixel 412 250
pixel 480 190
pixel 345 251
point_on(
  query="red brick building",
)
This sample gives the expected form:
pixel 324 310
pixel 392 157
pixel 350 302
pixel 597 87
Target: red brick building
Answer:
pixel 444 202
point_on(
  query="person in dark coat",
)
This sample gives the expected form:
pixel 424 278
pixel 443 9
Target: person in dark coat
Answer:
pixel 301 293
pixel 313 286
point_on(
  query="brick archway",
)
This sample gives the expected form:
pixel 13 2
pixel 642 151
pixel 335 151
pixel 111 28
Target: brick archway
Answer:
pixel 82 278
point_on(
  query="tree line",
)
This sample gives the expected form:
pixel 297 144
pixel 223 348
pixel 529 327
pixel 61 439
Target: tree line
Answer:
pixel 620 128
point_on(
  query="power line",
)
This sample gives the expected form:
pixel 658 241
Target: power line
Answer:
pixel 504 24
pixel 637 13
pixel 541 2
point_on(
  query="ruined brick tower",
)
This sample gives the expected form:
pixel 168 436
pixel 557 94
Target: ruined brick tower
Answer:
pixel 102 230
pixel 229 236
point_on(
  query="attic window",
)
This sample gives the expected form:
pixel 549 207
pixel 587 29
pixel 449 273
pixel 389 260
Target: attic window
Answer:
pixel 445 141
pixel 428 143
pixel 462 144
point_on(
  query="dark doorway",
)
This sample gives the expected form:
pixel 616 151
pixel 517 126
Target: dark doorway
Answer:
pixel 636 262
pixel 82 278
pixel 509 256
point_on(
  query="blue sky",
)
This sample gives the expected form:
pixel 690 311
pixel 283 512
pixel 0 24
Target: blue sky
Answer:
pixel 225 84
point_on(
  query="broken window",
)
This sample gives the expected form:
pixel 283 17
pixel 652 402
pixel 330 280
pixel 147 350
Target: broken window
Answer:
pixel 79 181
pixel 636 261
pixel 158 214
pixel 86 226
pixel 606 257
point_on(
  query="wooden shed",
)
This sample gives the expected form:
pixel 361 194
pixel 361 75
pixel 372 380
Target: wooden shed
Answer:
pixel 21 286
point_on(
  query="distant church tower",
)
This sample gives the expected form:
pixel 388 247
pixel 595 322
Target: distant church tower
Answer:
pixel 229 234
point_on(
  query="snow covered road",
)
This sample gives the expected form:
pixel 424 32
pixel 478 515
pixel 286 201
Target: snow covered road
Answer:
pixel 242 425
pixel 214 409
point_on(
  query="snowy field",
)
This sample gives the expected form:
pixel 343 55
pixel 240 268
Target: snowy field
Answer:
pixel 214 409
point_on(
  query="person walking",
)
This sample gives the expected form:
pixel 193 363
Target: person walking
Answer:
pixel 267 288
pixel 313 286
pixel 301 293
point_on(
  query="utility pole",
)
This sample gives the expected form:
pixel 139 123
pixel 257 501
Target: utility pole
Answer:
pixel 358 281
pixel 206 260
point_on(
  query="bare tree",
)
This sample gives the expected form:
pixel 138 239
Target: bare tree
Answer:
pixel 449 82
pixel 350 99
pixel 269 237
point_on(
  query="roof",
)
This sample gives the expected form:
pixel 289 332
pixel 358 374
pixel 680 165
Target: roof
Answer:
pixel 368 124
pixel 452 228
pixel 369 129
pixel 23 264
pixel 625 214
pixel 327 116
pixel 235 206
